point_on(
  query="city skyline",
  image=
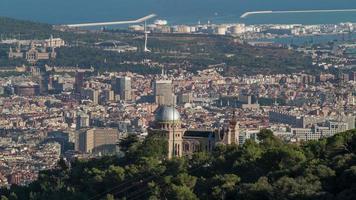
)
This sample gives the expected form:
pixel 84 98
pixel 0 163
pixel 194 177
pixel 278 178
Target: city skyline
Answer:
pixel 187 111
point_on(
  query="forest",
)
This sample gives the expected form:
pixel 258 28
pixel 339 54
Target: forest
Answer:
pixel 268 169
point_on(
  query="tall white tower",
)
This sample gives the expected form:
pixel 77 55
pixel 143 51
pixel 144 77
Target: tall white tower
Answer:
pixel 146 37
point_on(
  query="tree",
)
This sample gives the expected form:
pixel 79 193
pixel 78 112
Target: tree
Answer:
pixel 268 140
pixel 224 186
pixel 115 173
pixel 295 188
pixel 13 196
pixel 264 134
pixel 62 164
pixel 315 149
pixel 153 146
pixel 348 178
pixel 182 193
pixel 154 191
pixel 109 197
pixel 270 169
pixel 185 180
pixel 348 194
pixel 128 143
pixel 281 158
pixel 261 189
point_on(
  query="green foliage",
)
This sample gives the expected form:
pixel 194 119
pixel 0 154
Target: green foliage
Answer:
pixel 265 134
pixel 3 197
pixel 192 52
pixel 261 189
pixel 129 143
pixel 153 147
pixel 23 29
pixel 182 193
pixel 224 185
pixel 109 197
pixel 270 169
pixel 86 57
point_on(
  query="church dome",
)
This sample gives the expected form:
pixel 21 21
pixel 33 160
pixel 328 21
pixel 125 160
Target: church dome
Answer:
pixel 167 114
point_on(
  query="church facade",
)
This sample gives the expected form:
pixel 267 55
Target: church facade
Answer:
pixel 183 142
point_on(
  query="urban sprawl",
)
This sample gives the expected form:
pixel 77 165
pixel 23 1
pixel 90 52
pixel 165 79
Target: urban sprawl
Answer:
pixel 54 112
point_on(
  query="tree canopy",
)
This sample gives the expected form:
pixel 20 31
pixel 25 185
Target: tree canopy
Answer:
pixel 270 169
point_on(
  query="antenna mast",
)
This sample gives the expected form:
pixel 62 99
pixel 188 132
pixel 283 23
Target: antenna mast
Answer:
pixel 146 37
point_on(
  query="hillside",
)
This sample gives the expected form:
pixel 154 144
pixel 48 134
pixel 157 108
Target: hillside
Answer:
pixel 324 169
pixel 188 51
pixel 23 29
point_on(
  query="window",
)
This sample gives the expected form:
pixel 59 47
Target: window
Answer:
pixel 186 147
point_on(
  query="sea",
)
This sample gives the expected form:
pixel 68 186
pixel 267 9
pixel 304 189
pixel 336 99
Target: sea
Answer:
pixel 177 11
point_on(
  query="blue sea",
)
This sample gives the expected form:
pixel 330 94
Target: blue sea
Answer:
pixel 176 11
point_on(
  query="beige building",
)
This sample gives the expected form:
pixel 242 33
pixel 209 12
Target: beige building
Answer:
pixel 163 92
pixel 33 55
pixel 53 42
pixel 98 140
pixel 15 54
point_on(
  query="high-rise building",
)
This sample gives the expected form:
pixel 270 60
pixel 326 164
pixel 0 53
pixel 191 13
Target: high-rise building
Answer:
pixel 123 88
pixel 44 82
pixel 184 98
pixel 163 92
pixel 98 140
pixel 107 95
pixel 42 77
pixel 79 81
pixel 82 120
pixel 94 96
pixel 352 76
pixel 91 94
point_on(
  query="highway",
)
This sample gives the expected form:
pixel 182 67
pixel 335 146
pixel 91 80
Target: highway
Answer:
pixel 143 19
pixel 245 15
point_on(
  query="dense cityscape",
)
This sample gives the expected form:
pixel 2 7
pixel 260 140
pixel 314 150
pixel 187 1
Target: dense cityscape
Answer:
pixel 56 112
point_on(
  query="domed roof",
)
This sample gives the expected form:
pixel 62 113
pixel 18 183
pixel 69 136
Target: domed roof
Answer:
pixel 167 114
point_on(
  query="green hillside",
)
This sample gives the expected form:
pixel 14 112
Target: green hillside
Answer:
pixel 10 28
pixel 324 169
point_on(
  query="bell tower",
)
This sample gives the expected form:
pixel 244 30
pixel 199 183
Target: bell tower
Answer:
pixel 234 131
pixel 230 133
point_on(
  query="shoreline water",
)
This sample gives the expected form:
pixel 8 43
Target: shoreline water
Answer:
pixel 176 12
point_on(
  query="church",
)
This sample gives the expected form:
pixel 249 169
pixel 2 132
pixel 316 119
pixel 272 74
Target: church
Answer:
pixel 183 142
